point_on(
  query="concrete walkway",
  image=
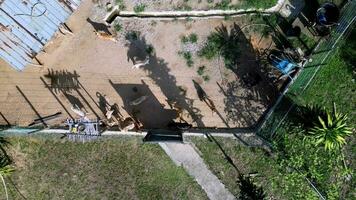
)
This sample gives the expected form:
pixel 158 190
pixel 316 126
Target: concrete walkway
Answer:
pixel 185 155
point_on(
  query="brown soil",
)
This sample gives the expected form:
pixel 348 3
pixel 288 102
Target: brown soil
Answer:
pixel 92 72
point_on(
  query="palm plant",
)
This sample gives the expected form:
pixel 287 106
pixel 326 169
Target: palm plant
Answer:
pixel 223 43
pixel 330 130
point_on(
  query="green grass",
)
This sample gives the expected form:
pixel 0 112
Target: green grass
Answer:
pixel 258 3
pixel 111 168
pixel 245 4
pixel 270 176
pixel 335 82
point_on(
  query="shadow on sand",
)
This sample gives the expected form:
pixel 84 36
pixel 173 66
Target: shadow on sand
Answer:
pixel 158 71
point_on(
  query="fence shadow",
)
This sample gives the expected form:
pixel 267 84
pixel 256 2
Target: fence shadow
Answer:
pixel 251 84
pixel 62 80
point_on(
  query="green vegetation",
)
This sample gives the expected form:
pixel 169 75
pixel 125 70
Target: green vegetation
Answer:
pixel 330 130
pixel 296 157
pixel 222 43
pixel 248 190
pixel 266 171
pixel 258 3
pixel 335 82
pixel 201 72
pixel 121 4
pixel 192 38
pixel 111 168
pixel 140 8
pixel 224 5
pixel 331 170
pixel 206 78
pixel 150 50
pixel 244 4
pixel 118 27
pixel 188 57
pixel 5 165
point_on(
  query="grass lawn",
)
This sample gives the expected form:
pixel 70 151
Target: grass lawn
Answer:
pixel 112 168
pixel 259 4
pixel 249 161
pixel 335 82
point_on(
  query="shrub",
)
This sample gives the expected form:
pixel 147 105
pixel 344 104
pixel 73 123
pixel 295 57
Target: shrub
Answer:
pixel 118 27
pixel 150 49
pixel 139 8
pixel 188 57
pixel 193 38
pixel 201 70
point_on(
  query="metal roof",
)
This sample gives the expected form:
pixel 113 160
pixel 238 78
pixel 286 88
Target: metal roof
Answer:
pixel 27 25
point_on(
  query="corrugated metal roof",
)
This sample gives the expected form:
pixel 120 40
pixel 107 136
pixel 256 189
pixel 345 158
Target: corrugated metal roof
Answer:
pixel 27 25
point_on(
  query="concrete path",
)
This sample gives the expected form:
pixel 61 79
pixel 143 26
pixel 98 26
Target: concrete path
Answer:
pixel 185 155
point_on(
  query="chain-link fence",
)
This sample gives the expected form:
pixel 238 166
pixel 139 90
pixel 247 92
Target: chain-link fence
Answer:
pixel 319 57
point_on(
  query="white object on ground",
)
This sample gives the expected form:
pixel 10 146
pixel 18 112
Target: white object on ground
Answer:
pixel 138 101
pixel 141 63
pixel 77 111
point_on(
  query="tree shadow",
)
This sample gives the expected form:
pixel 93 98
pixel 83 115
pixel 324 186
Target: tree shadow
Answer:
pixel 99 27
pixel 248 190
pixel 159 72
pixel 308 14
pixel 251 83
pixel 141 104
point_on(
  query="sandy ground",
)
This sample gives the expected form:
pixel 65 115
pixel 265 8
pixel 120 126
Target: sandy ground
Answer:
pixel 164 5
pixel 93 72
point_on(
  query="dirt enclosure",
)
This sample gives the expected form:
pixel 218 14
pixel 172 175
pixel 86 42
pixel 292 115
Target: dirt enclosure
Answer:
pixel 94 73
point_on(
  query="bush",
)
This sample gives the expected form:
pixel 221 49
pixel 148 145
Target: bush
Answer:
pixel 188 57
pixel 201 70
pixel 139 8
pixel 118 27
pixel 192 38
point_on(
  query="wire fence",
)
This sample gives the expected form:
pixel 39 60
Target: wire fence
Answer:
pixel 320 57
